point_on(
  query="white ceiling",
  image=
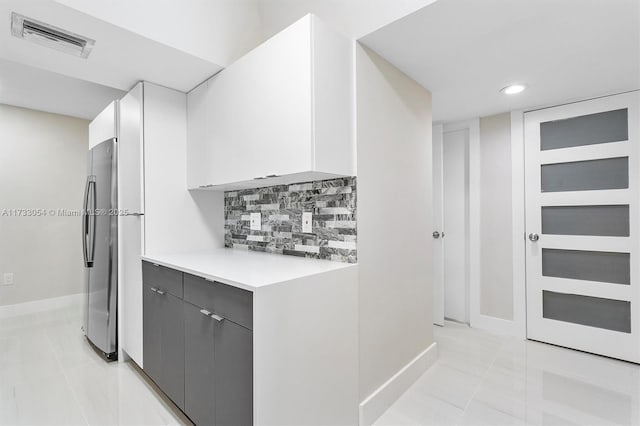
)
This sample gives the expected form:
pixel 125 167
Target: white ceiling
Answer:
pixel 216 30
pixel 42 90
pixel 353 18
pixel 464 51
pixel 119 59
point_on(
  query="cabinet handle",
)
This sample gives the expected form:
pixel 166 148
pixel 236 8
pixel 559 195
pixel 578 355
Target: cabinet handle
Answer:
pixel 273 175
pixel 217 317
pixel 205 312
pixel 160 292
pixel 259 177
pixel 153 289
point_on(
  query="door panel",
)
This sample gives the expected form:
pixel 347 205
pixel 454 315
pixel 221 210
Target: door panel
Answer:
pixel 233 357
pixel 606 221
pixel 130 227
pixel 199 379
pixel 438 239
pixel 456 225
pixel 582 202
pixel 172 376
pixel 152 333
pixel 100 320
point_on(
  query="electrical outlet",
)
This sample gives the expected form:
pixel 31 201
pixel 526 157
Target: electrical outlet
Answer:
pixel 7 278
pixel 256 221
pixel 307 222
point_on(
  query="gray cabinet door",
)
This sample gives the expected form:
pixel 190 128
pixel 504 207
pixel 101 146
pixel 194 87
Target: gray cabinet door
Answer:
pixel 199 378
pixel 163 342
pixel 233 374
pixel 152 334
pixel 172 377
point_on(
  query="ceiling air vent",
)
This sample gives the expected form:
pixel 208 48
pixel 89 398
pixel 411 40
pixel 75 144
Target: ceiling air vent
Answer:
pixel 50 36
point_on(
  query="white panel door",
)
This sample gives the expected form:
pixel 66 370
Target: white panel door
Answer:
pixel 455 153
pixel 438 240
pixel 582 195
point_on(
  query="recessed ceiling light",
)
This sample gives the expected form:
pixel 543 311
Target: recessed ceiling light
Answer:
pixel 513 89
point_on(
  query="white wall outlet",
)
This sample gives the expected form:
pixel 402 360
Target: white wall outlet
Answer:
pixel 7 278
pixel 307 222
pixel 256 221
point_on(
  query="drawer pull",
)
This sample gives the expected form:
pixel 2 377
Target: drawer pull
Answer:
pixel 211 315
pixel 153 289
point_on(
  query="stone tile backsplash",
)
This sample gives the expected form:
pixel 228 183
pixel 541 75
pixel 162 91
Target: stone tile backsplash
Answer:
pixel 334 230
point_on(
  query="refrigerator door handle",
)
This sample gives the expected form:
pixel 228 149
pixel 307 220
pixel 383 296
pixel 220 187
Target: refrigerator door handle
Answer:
pixel 92 216
pixel 85 222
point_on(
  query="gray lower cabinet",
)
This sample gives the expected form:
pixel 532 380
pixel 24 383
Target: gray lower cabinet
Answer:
pixel 202 360
pixel 233 375
pixel 163 342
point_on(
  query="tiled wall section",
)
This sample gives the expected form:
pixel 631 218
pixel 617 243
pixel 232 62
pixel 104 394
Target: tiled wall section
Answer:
pixel 333 203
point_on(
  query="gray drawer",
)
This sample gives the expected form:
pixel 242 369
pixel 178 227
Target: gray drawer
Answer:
pixel 162 278
pixel 232 303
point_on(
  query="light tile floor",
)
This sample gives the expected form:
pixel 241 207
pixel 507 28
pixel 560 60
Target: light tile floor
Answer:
pixel 483 379
pixel 50 375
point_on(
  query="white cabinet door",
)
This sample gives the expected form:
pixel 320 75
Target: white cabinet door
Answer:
pixel 283 109
pixel 130 227
pixel 104 126
pixel 260 110
pixel 199 148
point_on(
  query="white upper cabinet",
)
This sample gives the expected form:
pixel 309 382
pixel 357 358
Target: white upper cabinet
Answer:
pixel 283 109
pixel 104 126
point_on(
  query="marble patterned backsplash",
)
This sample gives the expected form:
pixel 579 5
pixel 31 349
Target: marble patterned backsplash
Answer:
pixel 334 228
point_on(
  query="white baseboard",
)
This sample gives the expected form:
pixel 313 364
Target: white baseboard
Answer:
pixel 383 397
pixel 36 306
pixel 497 325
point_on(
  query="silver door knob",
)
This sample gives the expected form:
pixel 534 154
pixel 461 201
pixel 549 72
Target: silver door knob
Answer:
pixel 534 237
pixel 436 234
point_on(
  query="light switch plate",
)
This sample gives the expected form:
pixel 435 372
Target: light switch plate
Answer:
pixel 7 278
pixel 256 221
pixel 307 222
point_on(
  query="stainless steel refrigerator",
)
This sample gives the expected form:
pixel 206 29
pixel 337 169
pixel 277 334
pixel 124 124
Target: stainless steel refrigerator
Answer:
pixel 100 248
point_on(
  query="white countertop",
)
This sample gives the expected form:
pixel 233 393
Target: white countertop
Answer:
pixel 249 270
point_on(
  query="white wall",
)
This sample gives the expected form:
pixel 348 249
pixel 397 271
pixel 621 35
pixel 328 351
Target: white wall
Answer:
pixel 176 220
pixel 42 166
pixel 354 18
pixel 394 189
pixel 496 246
pixel 217 30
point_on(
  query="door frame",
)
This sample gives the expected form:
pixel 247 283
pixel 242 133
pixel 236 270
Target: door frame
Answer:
pixel 516 327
